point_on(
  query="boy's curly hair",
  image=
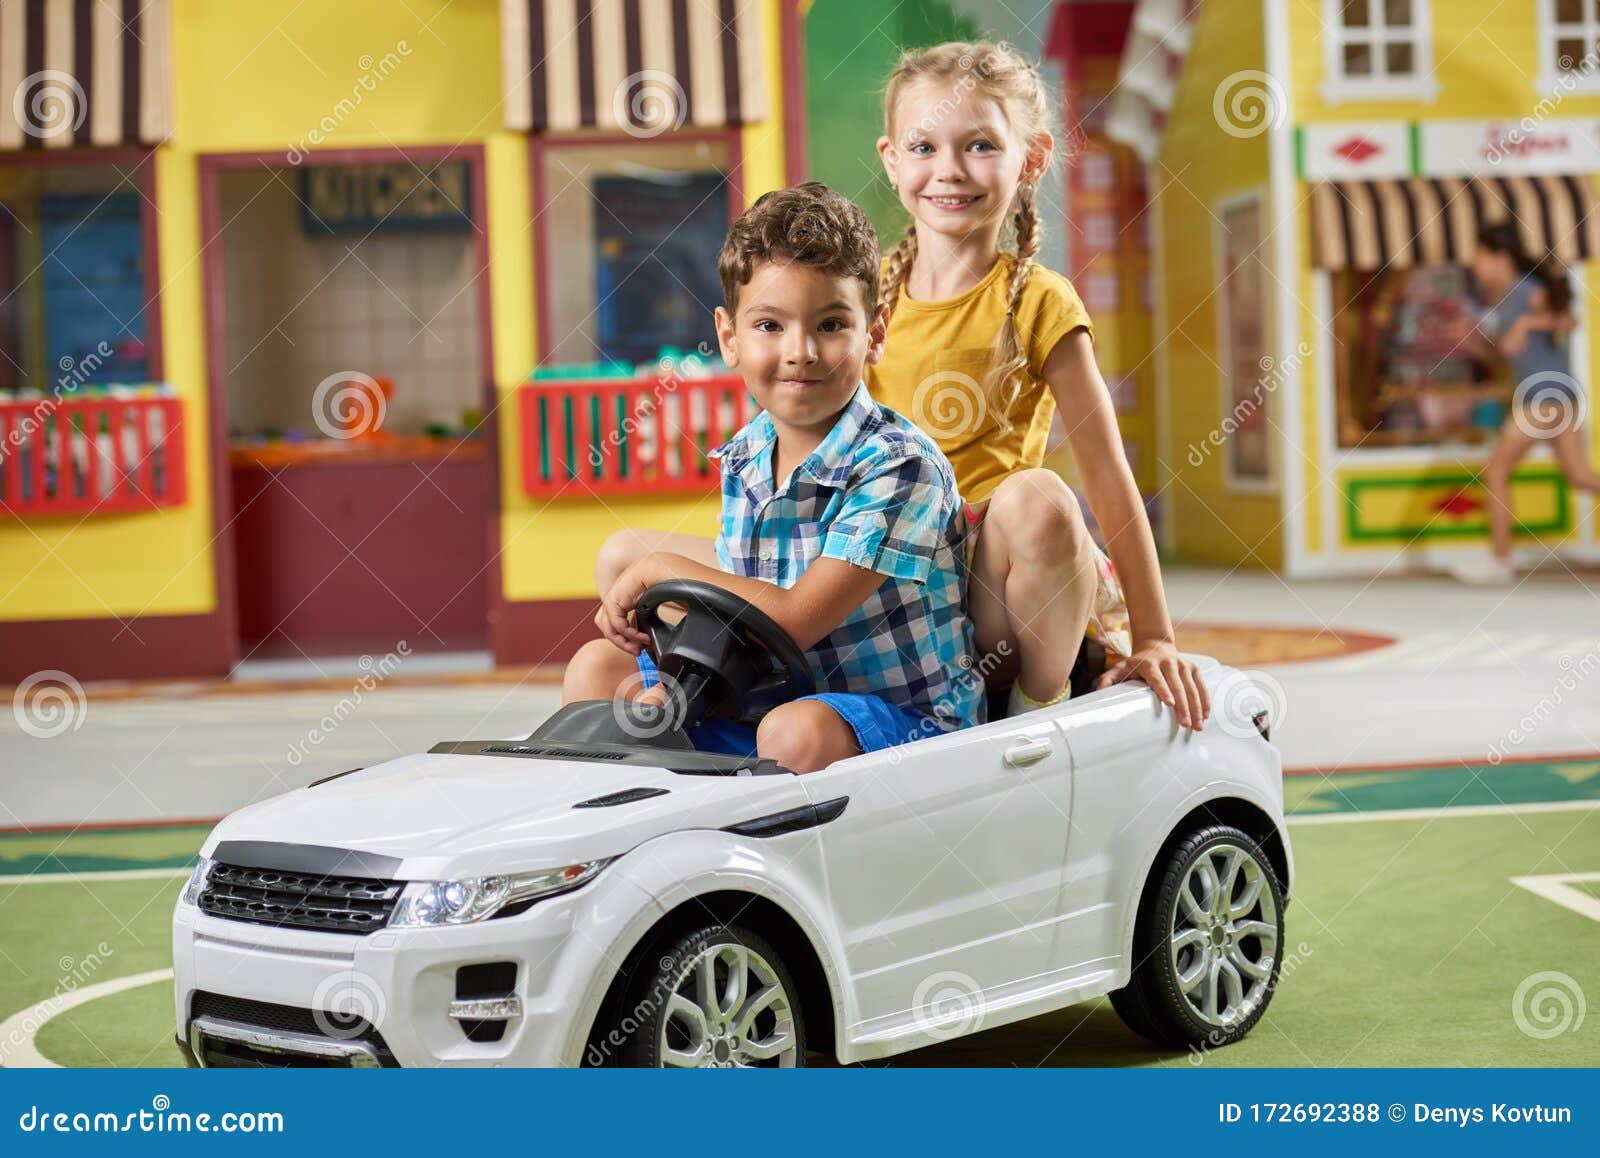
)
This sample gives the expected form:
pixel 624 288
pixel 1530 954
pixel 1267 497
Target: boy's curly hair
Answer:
pixel 808 223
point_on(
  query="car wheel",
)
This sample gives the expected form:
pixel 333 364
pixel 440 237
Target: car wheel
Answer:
pixel 1206 941
pixel 716 997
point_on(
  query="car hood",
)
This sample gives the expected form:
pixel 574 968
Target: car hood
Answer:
pixel 454 815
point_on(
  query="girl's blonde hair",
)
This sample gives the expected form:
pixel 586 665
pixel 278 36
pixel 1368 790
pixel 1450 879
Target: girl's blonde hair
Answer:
pixel 1006 77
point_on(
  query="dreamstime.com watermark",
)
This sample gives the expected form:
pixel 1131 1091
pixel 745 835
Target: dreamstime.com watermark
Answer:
pixel 48 704
pixel 156 1120
pixel 1218 1036
pixel 972 671
pixel 374 673
pixel 74 972
pixel 49 104
pixel 74 373
pixel 654 425
pixel 373 72
pixel 1574 672
pixel 1522 139
pixel 1548 1004
pixel 1248 103
pixel 1274 372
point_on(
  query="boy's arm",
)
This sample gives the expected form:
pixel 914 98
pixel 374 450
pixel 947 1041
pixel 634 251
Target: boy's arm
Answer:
pixel 822 598
pixel 888 527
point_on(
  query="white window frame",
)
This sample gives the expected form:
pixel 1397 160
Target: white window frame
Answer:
pixel 1338 88
pixel 1552 76
pixel 1232 482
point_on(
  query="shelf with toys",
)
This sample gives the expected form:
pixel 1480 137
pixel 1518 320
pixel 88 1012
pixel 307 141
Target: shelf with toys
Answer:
pixel 614 428
pixel 109 448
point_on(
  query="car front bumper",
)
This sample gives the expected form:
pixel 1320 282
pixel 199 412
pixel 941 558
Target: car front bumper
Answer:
pixel 266 992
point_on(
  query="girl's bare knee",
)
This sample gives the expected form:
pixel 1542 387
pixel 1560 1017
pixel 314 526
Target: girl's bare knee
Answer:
pixel 1039 519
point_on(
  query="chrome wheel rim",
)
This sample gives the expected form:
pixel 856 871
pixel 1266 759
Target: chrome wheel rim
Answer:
pixel 1223 940
pixel 728 1009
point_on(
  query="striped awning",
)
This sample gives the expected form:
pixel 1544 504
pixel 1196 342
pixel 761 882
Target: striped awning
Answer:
pixel 1427 220
pixel 85 72
pixel 640 66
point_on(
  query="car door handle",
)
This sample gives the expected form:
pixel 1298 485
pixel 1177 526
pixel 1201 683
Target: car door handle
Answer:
pixel 1025 752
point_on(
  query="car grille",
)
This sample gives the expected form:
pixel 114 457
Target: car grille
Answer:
pixel 283 1018
pixel 294 900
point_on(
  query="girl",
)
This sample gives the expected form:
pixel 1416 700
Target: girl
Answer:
pixel 982 346
pixel 1528 325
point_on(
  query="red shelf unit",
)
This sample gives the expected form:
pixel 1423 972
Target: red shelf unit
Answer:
pixel 118 455
pixel 627 436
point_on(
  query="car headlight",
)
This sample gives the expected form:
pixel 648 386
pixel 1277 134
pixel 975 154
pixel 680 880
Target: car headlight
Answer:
pixel 197 881
pixel 424 904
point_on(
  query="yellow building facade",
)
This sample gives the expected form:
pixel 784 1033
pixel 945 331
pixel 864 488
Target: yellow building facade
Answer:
pixel 1322 170
pixel 233 89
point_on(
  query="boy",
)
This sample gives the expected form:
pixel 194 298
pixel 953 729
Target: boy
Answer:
pixel 840 519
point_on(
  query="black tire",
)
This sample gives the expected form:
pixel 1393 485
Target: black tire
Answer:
pixel 1153 1003
pixel 669 965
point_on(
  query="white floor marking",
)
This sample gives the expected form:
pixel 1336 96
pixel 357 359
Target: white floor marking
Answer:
pixel 1557 887
pixel 1436 813
pixel 107 875
pixel 17 1032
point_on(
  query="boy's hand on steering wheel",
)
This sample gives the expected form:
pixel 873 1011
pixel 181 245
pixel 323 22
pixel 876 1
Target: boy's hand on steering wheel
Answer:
pixel 615 617
pixel 1174 677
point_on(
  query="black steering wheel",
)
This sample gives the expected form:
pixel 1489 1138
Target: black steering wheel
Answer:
pixel 723 653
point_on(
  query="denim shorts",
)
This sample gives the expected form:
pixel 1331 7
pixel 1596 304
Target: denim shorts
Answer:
pixel 876 722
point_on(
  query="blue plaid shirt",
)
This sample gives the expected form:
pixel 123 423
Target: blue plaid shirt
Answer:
pixel 880 494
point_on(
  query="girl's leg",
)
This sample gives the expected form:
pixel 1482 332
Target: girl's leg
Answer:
pixel 1572 452
pixel 598 671
pixel 804 736
pixel 1033 583
pixel 1513 443
pixel 624 548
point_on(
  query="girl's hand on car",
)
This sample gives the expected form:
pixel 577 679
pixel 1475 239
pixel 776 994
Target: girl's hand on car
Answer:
pixel 1173 676
pixel 615 617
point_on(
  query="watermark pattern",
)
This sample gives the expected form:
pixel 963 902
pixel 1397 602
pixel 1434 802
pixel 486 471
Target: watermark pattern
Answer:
pixel 948 403
pixel 1244 695
pixel 1249 103
pixel 662 713
pixel 948 1005
pixel 1522 139
pixel 1548 1004
pixel 74 971
pixel 1573 672
pixel 1221 1035
pixel 347 404
pixel 602 1048
pixel 977 670
pixel 48 704
pixel 50 103
pixel 1274 372
pixel 346 1005
pixel 1548 403
pixel 372 73
pixel 661 413
pixel 649 103
pixel 374 672
pixel 74 373
pixel 972 69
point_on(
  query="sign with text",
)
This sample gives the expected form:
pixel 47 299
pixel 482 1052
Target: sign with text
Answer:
pixel 388 197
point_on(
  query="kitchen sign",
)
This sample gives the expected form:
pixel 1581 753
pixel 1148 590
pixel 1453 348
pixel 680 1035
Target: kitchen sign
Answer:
pixel 385 198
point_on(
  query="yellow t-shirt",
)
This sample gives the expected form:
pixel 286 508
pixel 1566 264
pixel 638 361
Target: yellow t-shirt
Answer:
pixel 937 354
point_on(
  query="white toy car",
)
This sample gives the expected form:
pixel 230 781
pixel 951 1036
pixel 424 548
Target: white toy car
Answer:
pixel 600 893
